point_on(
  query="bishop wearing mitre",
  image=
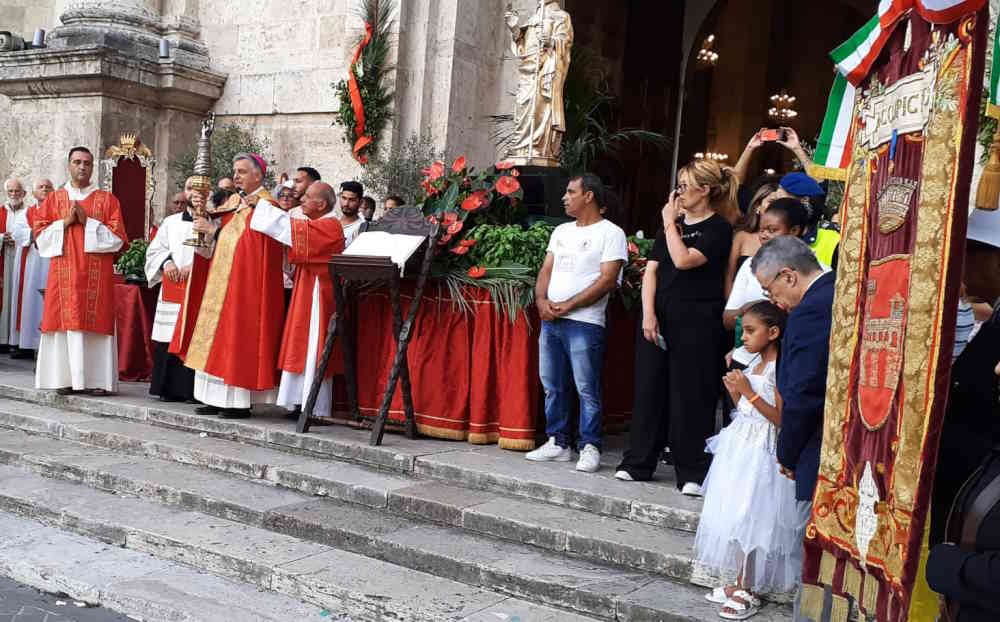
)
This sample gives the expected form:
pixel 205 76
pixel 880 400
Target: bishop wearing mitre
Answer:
pixel 168 262
pixel 79 228
pixel 311 241
pixel 229 328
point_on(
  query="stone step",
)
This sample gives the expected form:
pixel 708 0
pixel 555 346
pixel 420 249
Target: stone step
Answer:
pixel 338 581
pixel 594 537
pixel 489 468
pixel 135 584
pixel 518 569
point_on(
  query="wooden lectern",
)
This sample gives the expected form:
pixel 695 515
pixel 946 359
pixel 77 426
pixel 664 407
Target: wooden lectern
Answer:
pixel 350 271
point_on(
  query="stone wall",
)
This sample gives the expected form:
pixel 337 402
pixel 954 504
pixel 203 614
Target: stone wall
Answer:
pixel 282 58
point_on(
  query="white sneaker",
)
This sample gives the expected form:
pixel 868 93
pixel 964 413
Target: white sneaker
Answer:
pixel 624 476
pixel 590 459
pixel 550 452
pixel 691 489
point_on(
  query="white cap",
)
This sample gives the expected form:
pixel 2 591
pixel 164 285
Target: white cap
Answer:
pixel 984 226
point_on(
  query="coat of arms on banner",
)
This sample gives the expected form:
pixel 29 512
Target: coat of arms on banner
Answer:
pixel 882 338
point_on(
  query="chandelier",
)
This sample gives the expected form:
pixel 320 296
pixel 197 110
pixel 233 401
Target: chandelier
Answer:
pixel 706 57
pixel 781 107
pixel 711 155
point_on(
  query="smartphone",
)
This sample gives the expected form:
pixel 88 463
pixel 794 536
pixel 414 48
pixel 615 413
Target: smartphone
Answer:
pixel 773 135
pixel 661 343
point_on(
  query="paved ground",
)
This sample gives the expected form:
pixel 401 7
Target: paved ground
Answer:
pixel 20 603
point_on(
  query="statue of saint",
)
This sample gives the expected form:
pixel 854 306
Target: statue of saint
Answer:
pixel 543 49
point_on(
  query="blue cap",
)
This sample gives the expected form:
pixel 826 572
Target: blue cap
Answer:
pixel 801 185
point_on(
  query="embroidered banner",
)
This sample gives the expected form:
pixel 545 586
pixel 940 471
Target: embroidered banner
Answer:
pixel 903 224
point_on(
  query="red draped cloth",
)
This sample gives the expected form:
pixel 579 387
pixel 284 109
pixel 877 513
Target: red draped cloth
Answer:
pixel 475 374
pixel 135 307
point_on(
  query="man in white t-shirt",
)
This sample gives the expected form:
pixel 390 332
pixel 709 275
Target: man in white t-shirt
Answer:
pixel 583 264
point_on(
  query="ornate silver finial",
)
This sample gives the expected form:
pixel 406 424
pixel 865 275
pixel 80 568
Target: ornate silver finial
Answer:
pixel 203 161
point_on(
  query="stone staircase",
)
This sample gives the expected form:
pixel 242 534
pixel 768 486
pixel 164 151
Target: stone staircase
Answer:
pixel 412 530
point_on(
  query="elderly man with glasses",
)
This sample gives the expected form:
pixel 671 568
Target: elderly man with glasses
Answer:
pixel 793 278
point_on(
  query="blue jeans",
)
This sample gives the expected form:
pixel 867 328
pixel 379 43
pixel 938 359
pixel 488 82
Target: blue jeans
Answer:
pixel 572 352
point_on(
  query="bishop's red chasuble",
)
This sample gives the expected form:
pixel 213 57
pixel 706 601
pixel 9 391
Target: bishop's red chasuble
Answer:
pixel 230 323
pixel 903 224
pixel 313 243
pixel 79 294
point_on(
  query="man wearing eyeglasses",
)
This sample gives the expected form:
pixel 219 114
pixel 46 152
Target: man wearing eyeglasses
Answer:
pixel 793 278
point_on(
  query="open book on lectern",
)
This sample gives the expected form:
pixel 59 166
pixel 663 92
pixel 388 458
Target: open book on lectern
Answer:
pixel 396 246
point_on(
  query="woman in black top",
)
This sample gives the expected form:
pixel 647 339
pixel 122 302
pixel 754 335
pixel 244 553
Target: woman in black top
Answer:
pixel 679 351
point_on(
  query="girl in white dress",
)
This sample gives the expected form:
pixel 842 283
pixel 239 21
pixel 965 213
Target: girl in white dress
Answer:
pixel 748 523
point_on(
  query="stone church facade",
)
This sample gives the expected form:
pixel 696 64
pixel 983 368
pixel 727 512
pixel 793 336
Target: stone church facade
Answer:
pixel 266 64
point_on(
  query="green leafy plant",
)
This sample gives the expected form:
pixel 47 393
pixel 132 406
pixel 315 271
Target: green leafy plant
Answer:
pixel 635 269
pixel 399 171
pixel 503 246
pixel 227 141
pixel 370 72
pixel 132 263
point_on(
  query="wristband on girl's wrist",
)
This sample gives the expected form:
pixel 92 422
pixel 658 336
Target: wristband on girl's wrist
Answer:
pixel 754 398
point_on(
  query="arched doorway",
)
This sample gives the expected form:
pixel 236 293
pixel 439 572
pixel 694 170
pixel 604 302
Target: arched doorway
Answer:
pixel 648 51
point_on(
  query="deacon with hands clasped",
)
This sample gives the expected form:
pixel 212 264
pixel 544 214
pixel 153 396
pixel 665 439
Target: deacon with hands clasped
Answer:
pixel 79 227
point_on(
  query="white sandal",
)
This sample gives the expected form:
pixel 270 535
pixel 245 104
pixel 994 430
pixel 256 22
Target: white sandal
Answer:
pixel 717 595
pixel 743 610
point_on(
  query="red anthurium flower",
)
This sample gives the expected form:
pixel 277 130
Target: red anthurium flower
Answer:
pixel 475 201
pixel 467 242
pixel 444 239
pixel 450 217
pixel 455 227
pixel 459 250
pixel 459 165
pixel 633 249
pixel 507 185
pixel 434 171
pixel 503 166
pixel 432 220
pixel 477 272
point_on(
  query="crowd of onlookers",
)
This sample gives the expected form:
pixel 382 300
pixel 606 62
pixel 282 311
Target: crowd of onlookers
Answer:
pixel 737 301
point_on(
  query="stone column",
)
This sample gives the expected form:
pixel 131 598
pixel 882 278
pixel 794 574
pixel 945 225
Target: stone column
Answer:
pixel 100 77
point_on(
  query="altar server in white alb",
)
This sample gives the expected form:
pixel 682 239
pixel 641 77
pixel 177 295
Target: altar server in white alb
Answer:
pixel 79 228
pixel 168 261
pixel 310 241
pixel 30 273
pixel 14 206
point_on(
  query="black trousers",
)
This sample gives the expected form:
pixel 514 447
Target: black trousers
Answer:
pixel 171 379
pixel 676 392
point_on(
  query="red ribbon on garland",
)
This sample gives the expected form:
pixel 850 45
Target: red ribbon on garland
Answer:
pixel 359 110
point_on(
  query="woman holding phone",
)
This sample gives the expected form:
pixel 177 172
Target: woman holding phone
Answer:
pixel 680 347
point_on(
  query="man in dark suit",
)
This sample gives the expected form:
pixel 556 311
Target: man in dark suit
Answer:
pixel 792 277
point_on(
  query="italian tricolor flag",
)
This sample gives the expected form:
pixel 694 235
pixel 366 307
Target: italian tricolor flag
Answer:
pixel 855 56
pixel 993 105
pixel 833 149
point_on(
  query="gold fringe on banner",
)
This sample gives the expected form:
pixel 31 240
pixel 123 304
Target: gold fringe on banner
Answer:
pixel 852 581
pixel 827 566
pixel 839 609
pixel 870 602
pixel 516 444
pixel 988 194
pixel 811 605
pixel 817 171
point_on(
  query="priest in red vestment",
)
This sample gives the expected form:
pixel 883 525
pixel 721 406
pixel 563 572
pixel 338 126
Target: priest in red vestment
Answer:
pixel 79 227
pixel 229 328
pixel 311 241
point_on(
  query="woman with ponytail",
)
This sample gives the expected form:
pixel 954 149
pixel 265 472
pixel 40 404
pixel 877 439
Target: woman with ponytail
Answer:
pixel 679 354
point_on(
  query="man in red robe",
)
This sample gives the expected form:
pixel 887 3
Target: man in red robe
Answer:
pixel 311 241
pixel 79 228
pixel 229 327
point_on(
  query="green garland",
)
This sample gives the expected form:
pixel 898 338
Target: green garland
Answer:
pixel 370 72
